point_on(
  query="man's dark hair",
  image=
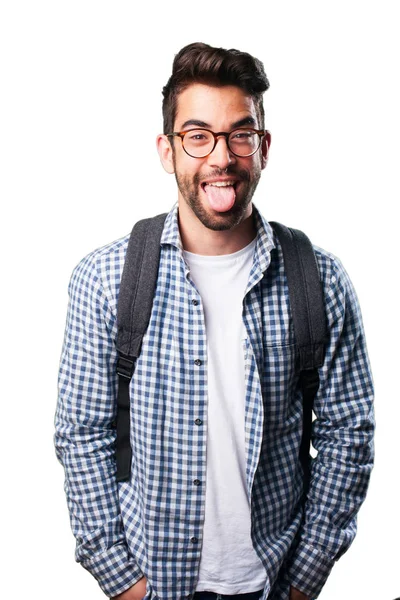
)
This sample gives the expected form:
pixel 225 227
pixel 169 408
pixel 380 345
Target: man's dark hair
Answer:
pixel 201 63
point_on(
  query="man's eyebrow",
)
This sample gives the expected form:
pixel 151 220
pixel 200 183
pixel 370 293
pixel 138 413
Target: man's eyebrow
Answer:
pixel 197 123
pixel 245 121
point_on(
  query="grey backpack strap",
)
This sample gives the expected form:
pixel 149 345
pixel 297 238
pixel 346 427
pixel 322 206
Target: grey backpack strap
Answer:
pixel 309 323
pixel 135 302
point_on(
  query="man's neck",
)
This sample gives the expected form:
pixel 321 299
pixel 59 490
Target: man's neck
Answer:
pixel 198 239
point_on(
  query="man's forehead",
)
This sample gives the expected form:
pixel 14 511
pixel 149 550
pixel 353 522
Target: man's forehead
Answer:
pixel 202 105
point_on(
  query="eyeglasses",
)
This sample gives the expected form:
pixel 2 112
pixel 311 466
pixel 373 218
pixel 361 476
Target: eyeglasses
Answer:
pixel 199 143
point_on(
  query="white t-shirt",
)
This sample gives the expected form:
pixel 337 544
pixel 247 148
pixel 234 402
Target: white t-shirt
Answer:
pixel 229 563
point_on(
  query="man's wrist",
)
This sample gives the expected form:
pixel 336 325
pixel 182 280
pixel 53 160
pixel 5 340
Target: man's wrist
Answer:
pixel 296 594
pixel 136 592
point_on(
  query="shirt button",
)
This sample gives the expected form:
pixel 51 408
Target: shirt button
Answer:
pixel 194 540
pixel 197 482
pixel 197 362
pixel 195 302
pixel 198 422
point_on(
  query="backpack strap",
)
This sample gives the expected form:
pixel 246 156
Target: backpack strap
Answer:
pixel 309 322
pixel 135 302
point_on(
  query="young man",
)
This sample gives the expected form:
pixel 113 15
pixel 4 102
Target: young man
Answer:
pixel 214 506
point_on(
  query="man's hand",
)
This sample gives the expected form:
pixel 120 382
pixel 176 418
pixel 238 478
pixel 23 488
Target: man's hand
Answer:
pixel 136 592
pixel 297 595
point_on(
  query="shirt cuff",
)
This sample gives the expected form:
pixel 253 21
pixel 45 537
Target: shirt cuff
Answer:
pixel 115 570
pixel 309 569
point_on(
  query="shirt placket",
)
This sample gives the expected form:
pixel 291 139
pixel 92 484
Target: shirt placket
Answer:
pixel 254 412
pixel 196 355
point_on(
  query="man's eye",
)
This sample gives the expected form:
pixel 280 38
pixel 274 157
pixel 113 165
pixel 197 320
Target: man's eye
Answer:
pixel 243 135
pixel 198 136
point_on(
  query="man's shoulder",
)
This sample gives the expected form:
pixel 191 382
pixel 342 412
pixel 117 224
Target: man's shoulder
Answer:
pixel 339 291
pixel 330 266
pixel 104 264
pixel 328 262
pixel 110 251
pixel 108 260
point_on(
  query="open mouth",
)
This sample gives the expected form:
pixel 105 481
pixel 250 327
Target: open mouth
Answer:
pixel 220 184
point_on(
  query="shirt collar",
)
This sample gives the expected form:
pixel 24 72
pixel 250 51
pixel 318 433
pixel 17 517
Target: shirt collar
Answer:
pixel 264 239
pixel 170 234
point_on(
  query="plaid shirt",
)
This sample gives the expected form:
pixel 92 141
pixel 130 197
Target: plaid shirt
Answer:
pixel 153 524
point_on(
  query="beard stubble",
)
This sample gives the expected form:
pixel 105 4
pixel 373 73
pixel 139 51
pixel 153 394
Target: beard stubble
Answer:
pixel 190 190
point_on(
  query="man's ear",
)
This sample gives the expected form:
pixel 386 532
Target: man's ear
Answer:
pixel 165 152
pixel 265 145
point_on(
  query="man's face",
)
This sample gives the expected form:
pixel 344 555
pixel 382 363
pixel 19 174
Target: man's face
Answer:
pixel 218 109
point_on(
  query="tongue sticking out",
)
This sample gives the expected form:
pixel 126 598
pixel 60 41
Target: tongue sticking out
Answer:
pixel 220 198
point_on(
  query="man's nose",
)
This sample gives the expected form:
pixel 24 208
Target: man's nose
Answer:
pixel 221 156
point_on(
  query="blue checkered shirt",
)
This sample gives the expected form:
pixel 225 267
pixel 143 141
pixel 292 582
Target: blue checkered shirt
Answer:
pixel 153 524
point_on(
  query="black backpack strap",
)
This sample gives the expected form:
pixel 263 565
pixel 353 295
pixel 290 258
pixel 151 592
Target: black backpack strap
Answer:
pixel 309 322
pixel 135 302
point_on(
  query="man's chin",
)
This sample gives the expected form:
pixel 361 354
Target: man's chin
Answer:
pixel 217 220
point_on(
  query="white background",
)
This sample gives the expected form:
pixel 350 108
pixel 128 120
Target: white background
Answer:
pixel 80 109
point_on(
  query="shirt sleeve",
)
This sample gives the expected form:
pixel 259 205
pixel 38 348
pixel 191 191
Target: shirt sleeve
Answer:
pixel 343 437
pixel 85 433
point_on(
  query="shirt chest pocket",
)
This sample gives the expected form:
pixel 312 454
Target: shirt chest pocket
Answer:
pixel 280 385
